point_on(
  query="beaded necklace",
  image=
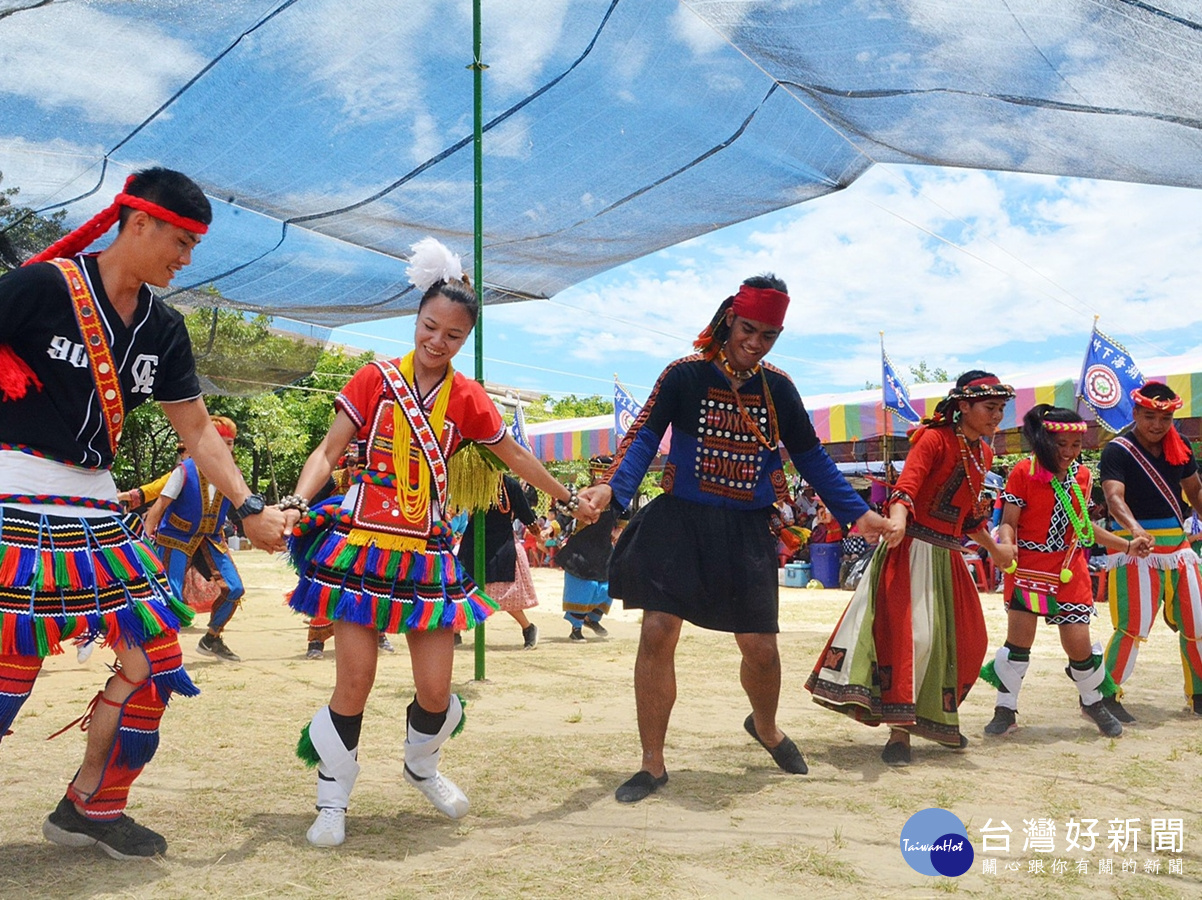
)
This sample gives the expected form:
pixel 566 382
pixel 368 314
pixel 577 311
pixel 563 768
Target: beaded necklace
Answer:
pixel 1082 526
pixel 967 458
pixel 737 374
pixel 770 441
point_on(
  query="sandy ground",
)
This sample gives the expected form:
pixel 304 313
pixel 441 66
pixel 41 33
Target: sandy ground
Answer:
pixel 552 732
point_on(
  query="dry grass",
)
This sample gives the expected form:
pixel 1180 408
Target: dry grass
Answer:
pixel 551 734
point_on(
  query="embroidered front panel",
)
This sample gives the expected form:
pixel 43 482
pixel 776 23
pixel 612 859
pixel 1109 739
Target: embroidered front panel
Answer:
pixel 728 460
pixel 377 506
pixel 943 504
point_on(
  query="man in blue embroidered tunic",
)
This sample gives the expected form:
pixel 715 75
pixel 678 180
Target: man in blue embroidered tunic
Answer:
pixel 702 551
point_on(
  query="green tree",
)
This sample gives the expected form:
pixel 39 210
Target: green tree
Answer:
pixel 569 407
pixel 924 375
pixel 23 233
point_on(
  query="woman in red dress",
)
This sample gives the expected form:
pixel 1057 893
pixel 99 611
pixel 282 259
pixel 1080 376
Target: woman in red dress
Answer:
pixel 911 642
pixel 1046 516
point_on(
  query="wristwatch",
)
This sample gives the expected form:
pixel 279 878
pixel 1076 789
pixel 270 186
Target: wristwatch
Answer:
pixel 251 506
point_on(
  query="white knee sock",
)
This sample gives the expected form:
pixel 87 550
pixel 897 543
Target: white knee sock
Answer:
pixel 1010 674
pixel 339 767
pixel 422 750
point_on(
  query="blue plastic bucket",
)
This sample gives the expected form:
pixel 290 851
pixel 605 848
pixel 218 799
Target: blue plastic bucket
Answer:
pixel 825 560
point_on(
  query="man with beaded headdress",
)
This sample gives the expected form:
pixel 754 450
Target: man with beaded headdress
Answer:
pixel 1144 473
pixel 703 551
pixel 83 341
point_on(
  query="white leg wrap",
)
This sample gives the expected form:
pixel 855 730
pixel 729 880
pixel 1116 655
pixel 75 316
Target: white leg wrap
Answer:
pixel 1010 674
pixel 339 767
pixel 423 750
pixel 1088 681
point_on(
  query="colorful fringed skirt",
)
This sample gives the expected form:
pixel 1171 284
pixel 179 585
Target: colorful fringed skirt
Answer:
pixel 391 590
pixel 64 577
pixel 910 644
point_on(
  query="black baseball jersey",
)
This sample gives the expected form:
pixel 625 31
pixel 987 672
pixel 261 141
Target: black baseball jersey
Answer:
pixel 37 320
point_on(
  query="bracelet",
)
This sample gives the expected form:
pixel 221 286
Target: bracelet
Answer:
pixel 294 501
pixel 568 506
pixel 1128 550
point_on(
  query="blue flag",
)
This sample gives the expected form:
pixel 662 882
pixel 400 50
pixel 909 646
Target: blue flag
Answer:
pixel 518 428
pixel 893 390
pixel 626 409
pixel 1108 377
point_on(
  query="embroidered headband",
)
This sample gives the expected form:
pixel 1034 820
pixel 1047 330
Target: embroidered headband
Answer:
pixel 1141 399
pixel 761 305
pixel 981 389
pixel 90 231
pixel 1065 426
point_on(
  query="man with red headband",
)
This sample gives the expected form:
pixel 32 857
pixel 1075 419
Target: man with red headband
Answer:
pixel 82 342
pixel 702 551
pixel 187 524
pixel 1144 474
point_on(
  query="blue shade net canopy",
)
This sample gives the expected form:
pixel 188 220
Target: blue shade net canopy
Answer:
pixel 333 134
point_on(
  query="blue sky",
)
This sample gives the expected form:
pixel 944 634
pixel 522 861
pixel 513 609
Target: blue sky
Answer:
pixel 959 268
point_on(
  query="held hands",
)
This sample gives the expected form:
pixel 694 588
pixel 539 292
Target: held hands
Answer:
pixel 1005 556
pixel 586 513
pixel 291 517
pixel 873 524
pixel 1141 545
pixel 267 530
pixel 593 501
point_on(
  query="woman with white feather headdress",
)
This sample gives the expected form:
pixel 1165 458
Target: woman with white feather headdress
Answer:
pixel 380 559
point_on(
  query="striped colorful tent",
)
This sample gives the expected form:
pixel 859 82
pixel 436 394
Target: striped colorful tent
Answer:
pixel 844 421
pixel 564 439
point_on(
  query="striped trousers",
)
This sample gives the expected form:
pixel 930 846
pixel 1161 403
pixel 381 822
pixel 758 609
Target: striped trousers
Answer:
pixel 1170 579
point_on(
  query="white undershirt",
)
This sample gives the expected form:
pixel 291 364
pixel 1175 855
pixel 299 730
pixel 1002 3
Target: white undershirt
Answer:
pixel 175 485
pixel 21 473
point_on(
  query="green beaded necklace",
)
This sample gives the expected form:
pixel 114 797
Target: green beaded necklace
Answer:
pixel 1082 526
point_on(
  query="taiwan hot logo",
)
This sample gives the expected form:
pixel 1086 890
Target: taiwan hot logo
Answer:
pixel 935 842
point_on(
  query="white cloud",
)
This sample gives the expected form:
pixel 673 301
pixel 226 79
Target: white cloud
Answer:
pixel 699 35
pixel 1030 264
pixel 522 37
pixel 63 57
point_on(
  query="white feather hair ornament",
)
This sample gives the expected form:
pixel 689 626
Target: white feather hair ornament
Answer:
pixel 431 262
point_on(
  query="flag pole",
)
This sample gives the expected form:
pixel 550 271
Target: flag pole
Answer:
pixel 479 564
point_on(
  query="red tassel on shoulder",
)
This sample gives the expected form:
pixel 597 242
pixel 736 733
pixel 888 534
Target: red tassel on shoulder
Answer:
pixel 15 375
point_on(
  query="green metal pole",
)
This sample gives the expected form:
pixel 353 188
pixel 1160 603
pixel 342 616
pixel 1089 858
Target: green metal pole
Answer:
pixel 478 68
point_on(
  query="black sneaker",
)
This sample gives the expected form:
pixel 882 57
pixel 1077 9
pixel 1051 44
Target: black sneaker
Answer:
pixel 215 646
pixel 1103 718
pixel 1197 705
pixel 576 635
pixel 1117 710
pixel 596 628
pixel 530 637
pixel 121 838
pixel 317 650
pixel 1002 722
